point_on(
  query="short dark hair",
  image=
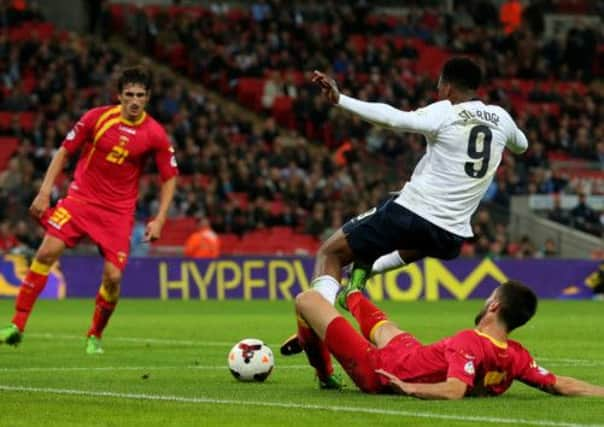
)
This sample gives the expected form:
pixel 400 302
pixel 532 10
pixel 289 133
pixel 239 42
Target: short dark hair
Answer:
pixel 462 72
pixel 518 304
pixel 135 75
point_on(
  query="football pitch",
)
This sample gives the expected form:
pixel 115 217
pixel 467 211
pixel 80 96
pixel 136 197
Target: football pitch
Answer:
pixel 165 365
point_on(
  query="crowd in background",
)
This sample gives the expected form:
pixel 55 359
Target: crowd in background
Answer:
pixel 234 170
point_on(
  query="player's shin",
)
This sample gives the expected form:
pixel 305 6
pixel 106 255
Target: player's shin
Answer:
pixel 370 317
pixel 315 349
pixel 104 307
pixel 31 287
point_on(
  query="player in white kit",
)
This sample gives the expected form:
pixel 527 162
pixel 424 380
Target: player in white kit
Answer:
pixel 431 215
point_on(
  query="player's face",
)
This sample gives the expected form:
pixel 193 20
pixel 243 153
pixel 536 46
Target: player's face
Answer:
pixel 133 98
pixel 485 308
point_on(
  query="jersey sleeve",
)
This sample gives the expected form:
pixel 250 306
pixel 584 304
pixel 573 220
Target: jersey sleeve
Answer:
pixel 164 155
pixel 516 141
pixel 532 374
pixel 462 354
pixel 80 133
pixel 426 121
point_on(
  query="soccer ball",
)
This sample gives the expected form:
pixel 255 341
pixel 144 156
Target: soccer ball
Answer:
pixel 251 360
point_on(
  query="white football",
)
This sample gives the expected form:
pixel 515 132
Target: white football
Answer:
pixel 251 360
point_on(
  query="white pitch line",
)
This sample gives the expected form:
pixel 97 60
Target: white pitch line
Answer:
pixel 143 340
pixel 291 405
pixel 134 368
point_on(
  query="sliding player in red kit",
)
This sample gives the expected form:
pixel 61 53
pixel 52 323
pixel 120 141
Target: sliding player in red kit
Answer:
pixel 383 358
pixel 114 142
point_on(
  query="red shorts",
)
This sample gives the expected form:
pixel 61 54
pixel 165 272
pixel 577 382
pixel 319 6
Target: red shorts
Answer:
pixel 356 354
pixel 399 356
pixel 360 358
pixel 72 219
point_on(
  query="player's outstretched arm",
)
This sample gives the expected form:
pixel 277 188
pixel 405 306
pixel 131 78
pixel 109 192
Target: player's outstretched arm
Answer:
pixel 423 122
pixel 42 200
pixel 452 389
pixel 568 386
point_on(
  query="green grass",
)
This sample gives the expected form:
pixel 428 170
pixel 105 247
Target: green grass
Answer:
pixel 158 350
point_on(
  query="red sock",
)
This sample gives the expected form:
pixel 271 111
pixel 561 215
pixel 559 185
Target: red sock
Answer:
pixel 31 286
pixel 102 312
pixel 367 314
pixel 316 351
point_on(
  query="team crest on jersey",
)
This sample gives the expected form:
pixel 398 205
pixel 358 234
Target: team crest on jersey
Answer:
pixel 469 368
pixel 121 257
pixel 72 133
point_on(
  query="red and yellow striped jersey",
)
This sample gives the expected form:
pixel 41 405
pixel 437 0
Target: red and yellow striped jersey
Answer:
pixel 113 154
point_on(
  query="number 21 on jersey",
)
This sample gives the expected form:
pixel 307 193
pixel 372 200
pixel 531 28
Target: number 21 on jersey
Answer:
pixel 479 149
pixel 117 155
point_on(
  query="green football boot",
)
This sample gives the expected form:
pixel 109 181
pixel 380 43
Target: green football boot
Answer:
pixel 93 345
pixel 10 335
pixel 333 382
pixel 357 282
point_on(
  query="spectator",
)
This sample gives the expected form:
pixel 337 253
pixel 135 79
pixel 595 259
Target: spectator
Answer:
pixel 203 243
pixel 549 250
pixel 584 217
pixel 559 215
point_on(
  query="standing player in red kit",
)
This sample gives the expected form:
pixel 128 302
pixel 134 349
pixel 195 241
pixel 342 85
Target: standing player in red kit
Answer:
pixel 474 362
pixel 114 142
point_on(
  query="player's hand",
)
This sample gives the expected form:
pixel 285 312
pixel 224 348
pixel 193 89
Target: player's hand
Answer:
pixel 153 230
pixel 39 205
pixel 328 86
pixel 396 384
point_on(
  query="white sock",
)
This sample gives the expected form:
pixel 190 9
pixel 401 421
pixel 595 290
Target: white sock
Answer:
pixel 327 286
pixel 387 262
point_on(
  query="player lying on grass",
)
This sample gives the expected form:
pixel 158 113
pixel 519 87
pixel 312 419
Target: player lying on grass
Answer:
pixel 384 358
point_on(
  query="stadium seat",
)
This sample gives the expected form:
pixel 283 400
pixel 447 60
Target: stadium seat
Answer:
pixel 249 92
pixel 8 146
pixel 282 111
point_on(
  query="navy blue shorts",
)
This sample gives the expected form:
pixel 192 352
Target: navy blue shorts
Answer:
pixel 391 226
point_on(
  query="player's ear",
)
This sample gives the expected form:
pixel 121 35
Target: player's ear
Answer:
pixel 494 306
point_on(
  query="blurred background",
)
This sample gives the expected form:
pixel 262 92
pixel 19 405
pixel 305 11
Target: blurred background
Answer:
pixel 265 162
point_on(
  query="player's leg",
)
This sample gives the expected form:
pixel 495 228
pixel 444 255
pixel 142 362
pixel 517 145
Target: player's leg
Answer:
pixel 113 239
pixel 373 322
pixel 308 337
pixel 332 333
pixel 32 285
pixel 333 254
pixel 105 303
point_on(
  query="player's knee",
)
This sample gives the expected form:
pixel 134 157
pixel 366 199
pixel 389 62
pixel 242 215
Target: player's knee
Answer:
pixel 304 300
pixel 111 282
pixel 46 256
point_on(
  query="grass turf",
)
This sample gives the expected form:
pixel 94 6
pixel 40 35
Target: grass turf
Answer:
pixel 165 365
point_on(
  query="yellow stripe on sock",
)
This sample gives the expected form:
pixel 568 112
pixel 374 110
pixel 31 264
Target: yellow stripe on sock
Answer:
pixel 106 295
pixel 301 321
pixel 39 268
pixel 375 328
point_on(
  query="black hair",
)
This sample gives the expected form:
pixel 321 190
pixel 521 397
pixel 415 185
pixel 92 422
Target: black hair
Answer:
pixel 518 304
pixel 135 75
pixel 463 73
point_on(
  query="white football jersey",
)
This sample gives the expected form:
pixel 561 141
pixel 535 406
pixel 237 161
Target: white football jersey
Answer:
pixel 465 146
